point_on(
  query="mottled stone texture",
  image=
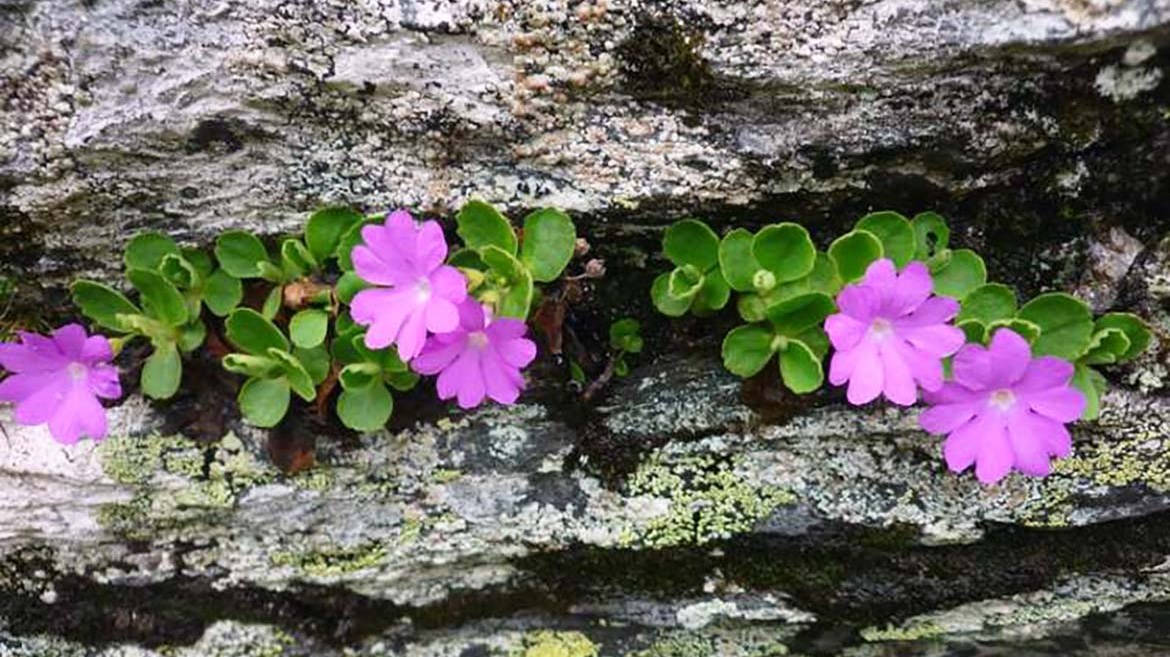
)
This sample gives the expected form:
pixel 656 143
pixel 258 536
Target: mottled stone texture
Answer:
pixel 681 516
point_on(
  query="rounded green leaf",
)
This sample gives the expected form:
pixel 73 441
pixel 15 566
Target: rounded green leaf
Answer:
pixel 1066 325
pixel 663 301
pixel 975 330
pixel 1105 347
pixel 180 272
pixel 516 289
pixel 962 274
pixel 624 335
pixel 1092 385
pixel 359 375
pixel 751 307
pixel 222 293
pixel 549 241
pixel 316 362
pixel 800 368
pixel 853 253
pixel 1135 331
pixel 691 242
pixel 309 327
pixel 894 232
pixel 402 381
pixel 102 303
pixel 747 349
pixel 736 261
pixel 365 409
pixel 147 250
pixel 251 366
pixel 713 294
pixel 199 260
pixel 797 314
pixel 295 259
pixel 160 299
pixel 480 225
pixel 272 303
pixel 988 303
pixel 931 235
pixel 348 346
pixel 298 378
pixel 824 276
pixel 786 250
pixel 264 401
pixel 324 230
pixel 1025 329
pixel 816 339
pixel 240 253
pixel 250 331
pixel 467 259
pixel 349 285
pixel 162 372
pixel 685 283
pixel 192 336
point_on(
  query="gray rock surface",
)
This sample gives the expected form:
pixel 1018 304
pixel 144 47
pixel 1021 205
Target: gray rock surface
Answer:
pixel 674 518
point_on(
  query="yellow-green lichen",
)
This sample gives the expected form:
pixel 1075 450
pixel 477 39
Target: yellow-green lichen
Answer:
pixel 332 561
pixel 547 643
pixel 445 476
pixel 679 645
pixel 709 500
pixel 912 632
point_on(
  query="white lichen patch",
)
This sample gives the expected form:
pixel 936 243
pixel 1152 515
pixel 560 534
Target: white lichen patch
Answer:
pixel 1122 84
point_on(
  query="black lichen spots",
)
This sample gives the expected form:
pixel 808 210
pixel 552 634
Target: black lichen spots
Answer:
pixel 215 135
pixel 662 61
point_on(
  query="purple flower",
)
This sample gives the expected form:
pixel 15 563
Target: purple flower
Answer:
pixel 1004 409
pixel 420 293
pixel 483 356
pixel 58 380
pixel 891 335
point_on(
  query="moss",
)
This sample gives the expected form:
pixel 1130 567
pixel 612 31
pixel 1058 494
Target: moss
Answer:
pixel 411 528
pixel 662 60
pixel 547 643
pixel 333 561
pixel 709 500
pixel 913 632
pixel 445 476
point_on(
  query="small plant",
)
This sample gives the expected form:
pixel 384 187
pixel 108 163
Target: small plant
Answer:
pixel 897 305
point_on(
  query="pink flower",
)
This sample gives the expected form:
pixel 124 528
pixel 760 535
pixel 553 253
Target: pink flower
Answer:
pixel 483 356
pixel 1004 409
pixel 58 380
pixel 891 335
pixel 420 293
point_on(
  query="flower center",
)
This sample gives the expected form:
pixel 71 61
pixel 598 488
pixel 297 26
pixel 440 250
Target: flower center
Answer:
pixel 1003 399
pixel 422 290
pixel 76 371
pixel 477 339
pixel 881 328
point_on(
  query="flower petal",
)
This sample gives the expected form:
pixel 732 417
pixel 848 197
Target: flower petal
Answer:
pixel 23 358
pixel 39 406
pixel 945 418
pixel 97 349
pixel 498 384
pixel 897 382
pixel 935 310
pixel 448 283
pixel 412 335
pixel 432 246
pixel 938 340
pixel 953 393
pixel 437 355
pixel 972 367
pixel 1029 444
pixel 1060 404
pixel 70 341
pixel 79 415
pixel 384 311
pixel 18 387
pixel 1045 372
pixel 506 328
pixel 1010 355
pixel 866 379
pixel 926 368
pixel 995 457
pixel 880 274
pixel 442 316
pixel 1052 436
pixel 962 446
pixel 844 331
pixel 517 353
pixel 103 381
pixel 859 302
pixel 912 287
pixel 842 364
pixel 374 269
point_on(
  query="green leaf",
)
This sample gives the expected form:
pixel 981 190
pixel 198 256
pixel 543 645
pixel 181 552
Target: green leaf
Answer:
pixel 324 230
pixel 365 409
pixel 359 375
pixel 160 299
pixel 316 362
pixel 800 368
pixel 222 293
pixel 988 303
pixel 894 232
pixel 751 307
pixel 272 302
pixel 402 381
pixel 162 372
pixel 1026 330
pixel 274 274
pixel 624 335
pixel 348 346
pixel 179 272
pixel 961 275
pixel 250 331
pixel 349 285
pixel 309 327
pixel 747 349
pixel 240 253
pixel 517 288
pixel 691 242
pixel 295 259
pixel 467 259
pixel 102 303
pixel 713 294
pixel 1092 385
pixel 931 235
pixel 576 373
pixel 298 378
pixel 156 331
pixel 1135 330
pixel 800 313
pixel 199 260
pixel 685 283
pixel 854 252
pixel 1105 347
pixel 264 401
pixel 549 241
pixel 192 336
pixel 824 277
pixel 975 330
pixel 1066 325
pixel 350 239
pixel 481 225
pixel 663 301
pixel 736 261
pixel 251 366
pixel 816 339
pixel 147 250
pixel 621 368
pixel 786 250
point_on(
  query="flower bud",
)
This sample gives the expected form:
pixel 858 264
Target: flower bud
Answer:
pixel 763 280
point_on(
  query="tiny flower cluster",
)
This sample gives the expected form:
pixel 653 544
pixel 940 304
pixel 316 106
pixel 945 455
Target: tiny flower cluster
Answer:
pixel 364 304
pixel 905 317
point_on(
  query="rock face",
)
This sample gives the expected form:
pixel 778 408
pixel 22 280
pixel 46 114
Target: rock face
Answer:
pixel 680 515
